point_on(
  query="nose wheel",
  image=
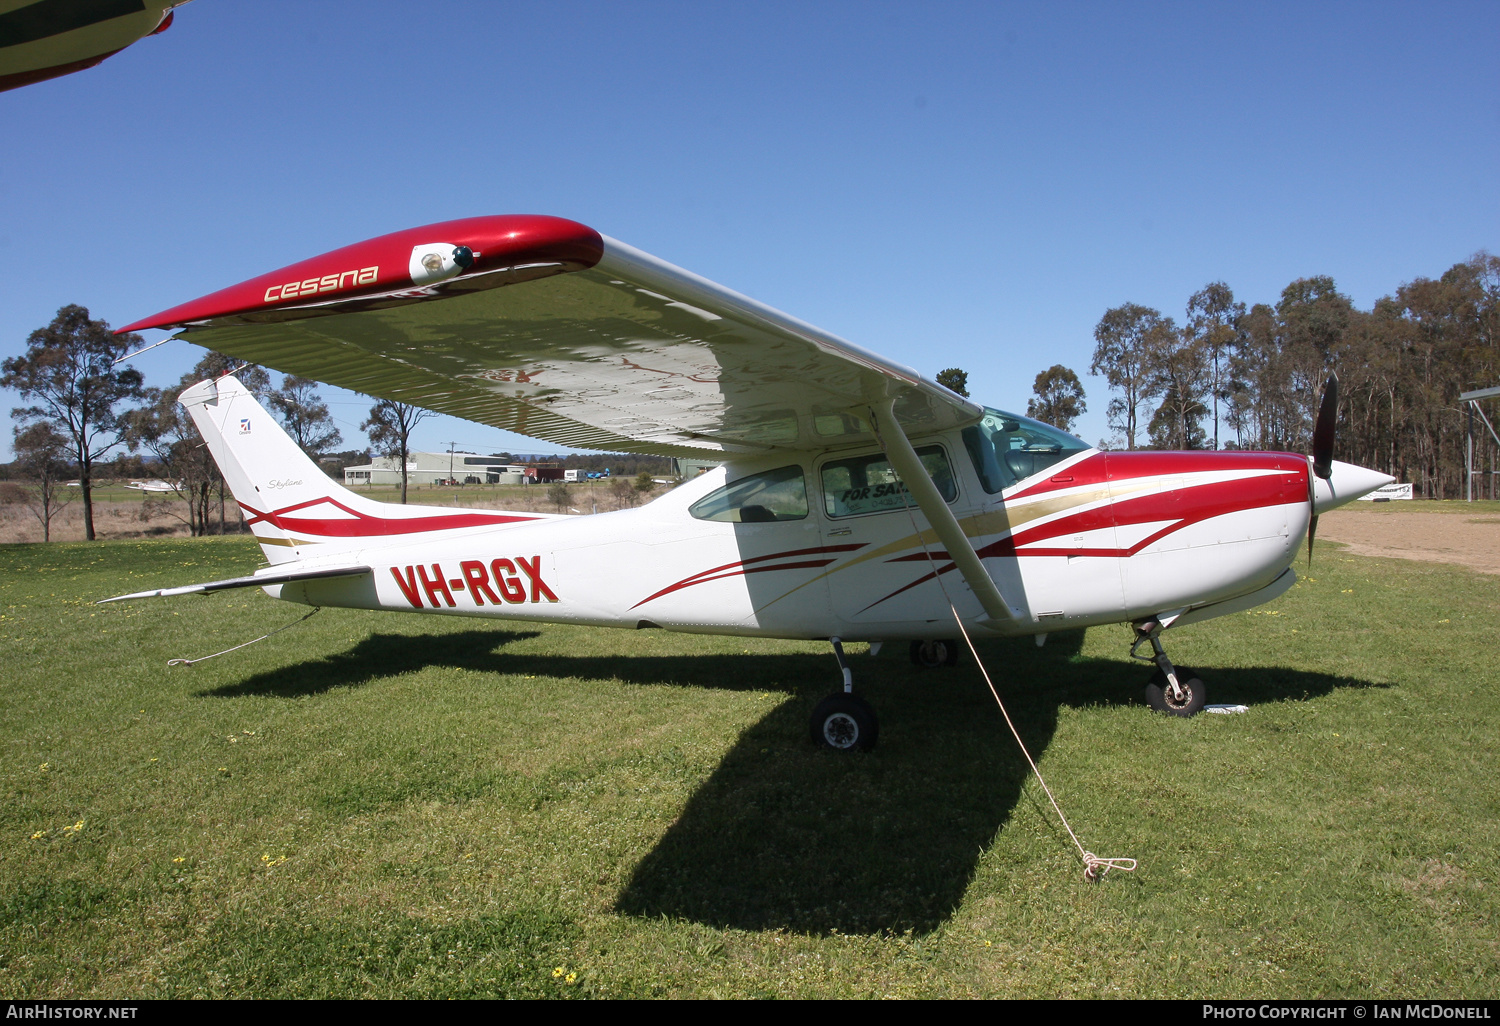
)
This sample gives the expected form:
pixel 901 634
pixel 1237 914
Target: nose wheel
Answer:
pixel 1174 690
pixel 1186 700
pixel 844 722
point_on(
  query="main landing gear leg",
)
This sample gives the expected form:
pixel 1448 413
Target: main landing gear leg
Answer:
pixel 1174 690
pixel 843 721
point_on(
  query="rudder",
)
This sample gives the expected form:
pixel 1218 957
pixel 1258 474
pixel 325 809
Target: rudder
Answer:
pixel 288 501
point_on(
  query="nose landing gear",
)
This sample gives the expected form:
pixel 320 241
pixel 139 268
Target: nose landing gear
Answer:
pixel 1174 690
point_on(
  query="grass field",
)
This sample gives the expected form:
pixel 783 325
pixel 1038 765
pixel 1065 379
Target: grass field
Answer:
pixel 384 805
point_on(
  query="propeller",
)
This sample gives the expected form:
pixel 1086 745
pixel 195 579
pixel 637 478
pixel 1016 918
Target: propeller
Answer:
pixel 1322 452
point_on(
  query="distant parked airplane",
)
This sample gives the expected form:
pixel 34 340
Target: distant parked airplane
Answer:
pixel 155 485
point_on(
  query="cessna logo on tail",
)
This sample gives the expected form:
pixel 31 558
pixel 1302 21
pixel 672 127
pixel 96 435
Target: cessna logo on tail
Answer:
pixel 501 582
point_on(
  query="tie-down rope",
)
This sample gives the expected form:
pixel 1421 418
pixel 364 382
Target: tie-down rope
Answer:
pixel 263 637
pixel 1094 867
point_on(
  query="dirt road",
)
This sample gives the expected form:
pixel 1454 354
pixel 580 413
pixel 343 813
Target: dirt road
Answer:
pixel 1448 537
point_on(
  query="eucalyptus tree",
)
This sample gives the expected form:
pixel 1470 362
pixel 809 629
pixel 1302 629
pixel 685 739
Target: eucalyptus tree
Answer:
pixel 1213 325
pixel 1127 340
pixel 955 380
pixel 1057 397
pixel 389 426
pixel 42 458
pixel 70 372
pixel 305 415
pixel 1179 368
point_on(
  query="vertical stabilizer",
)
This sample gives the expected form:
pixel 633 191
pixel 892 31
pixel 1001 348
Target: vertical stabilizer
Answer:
pixel 219 407
pixel 288 501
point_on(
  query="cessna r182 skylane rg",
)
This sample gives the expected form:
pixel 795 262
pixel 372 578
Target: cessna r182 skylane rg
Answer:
pixel 856 500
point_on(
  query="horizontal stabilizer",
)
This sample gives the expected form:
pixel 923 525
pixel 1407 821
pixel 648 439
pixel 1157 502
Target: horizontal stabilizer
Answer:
pixel 253 581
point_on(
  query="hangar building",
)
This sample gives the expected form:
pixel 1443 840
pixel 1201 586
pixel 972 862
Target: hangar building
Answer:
pixel 437 468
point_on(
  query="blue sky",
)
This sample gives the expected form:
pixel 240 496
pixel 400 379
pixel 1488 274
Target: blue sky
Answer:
pixel 947 184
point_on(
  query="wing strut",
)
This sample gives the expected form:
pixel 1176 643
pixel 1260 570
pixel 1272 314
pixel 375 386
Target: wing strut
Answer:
pixel 903 457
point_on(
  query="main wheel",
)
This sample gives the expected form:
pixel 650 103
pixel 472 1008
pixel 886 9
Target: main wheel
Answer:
pixel 844 723
pixel 1159 693
pixel 934 653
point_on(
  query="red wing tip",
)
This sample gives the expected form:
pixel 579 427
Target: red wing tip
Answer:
pixel 410 259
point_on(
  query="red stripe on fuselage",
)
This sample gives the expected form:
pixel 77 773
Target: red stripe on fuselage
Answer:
pixel 1183 507
pixel 1092 471
pixel 737 569
pixel 1124 466
pixel 368 526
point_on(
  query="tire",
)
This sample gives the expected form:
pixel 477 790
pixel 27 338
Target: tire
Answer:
pixel 1159 696
pixel 933 653
pixel 844 723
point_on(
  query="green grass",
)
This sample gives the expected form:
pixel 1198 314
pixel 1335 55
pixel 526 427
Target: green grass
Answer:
pixel 384 805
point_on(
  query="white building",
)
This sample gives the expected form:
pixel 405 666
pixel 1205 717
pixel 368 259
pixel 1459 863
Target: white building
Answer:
pixel 437 468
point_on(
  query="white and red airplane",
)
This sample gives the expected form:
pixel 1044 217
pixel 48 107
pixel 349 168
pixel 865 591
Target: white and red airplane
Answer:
pixel 856 500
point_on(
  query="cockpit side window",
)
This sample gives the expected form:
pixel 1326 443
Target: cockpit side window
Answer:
pixel 767 497
pixel 1006 448
pixel 868 484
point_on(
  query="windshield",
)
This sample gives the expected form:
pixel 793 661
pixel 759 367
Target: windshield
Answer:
pixel 1007 448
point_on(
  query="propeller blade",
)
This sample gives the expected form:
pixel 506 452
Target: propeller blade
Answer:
pixel 1322 452
pixel 1322 440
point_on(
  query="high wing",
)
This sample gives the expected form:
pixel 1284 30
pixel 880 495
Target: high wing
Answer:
pixel 42 39
pixel 542 326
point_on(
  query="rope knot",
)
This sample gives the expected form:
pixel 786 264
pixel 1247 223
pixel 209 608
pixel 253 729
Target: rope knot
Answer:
pixel 1092 863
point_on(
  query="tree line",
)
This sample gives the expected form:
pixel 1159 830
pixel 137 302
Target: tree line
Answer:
pixel 1237 377
pixel 1251 378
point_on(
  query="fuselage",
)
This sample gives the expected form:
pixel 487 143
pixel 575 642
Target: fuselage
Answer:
pixel 829 544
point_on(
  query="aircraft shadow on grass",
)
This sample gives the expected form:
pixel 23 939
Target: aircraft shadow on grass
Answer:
pixel 785 836
pixel 376 657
